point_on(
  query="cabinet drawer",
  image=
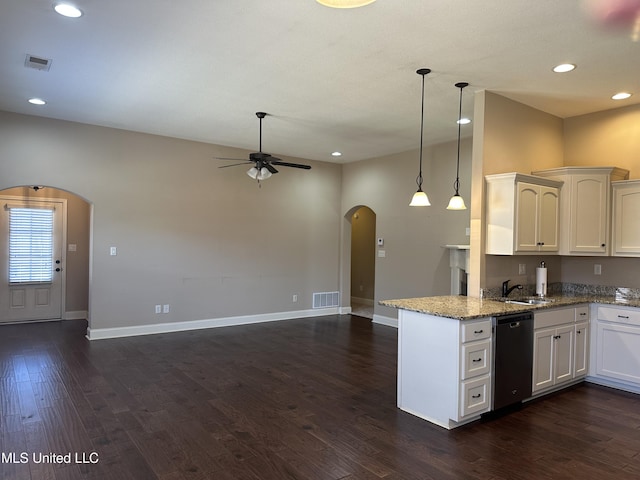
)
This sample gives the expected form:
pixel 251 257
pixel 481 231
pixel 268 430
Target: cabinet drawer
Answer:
pixel 476 359
pixel 582 313
pixel 476 330
pixel 553 317
pixel 619 315
pixel 475 396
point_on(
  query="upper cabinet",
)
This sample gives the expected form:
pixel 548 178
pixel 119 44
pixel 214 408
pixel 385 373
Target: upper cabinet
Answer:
pixel 626 218
pixel 522 214
pixel 585 208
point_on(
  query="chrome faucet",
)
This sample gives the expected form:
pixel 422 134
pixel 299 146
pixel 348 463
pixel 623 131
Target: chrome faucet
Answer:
pixel 506 289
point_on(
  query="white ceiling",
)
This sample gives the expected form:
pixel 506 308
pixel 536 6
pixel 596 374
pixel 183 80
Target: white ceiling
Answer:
pixel 330 79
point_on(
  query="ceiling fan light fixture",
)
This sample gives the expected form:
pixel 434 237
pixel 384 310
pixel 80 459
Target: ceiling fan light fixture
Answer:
pixel 420 198
pixel 457 202
pixel 264 174
pixel 345 3
pixel 253 173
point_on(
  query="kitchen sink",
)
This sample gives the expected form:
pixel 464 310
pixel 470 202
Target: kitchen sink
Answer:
pixel 530 301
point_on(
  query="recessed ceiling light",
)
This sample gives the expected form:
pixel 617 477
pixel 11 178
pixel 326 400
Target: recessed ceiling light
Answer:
pixel 67 10
pixel 464 121
pixel 37 101
pixel 345 3
pixel 564 68
pixel 621 96
pixel 336 154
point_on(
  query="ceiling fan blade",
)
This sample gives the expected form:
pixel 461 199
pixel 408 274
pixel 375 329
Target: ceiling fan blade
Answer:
pixel 235 164
pixel 225 158
pixel 270 167
pixel 294 165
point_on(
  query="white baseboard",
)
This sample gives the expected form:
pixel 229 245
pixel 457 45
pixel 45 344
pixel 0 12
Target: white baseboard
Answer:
pixel 75 315
pixel 388 321
pixel 345 310
pixel 134 330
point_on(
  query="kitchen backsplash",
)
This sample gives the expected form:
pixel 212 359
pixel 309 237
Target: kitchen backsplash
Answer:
pixel 570 289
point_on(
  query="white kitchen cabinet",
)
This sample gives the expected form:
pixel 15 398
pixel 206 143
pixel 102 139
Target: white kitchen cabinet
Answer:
pixel 617 347
pixel 585 207
pixel 626 218
pixel 522 214
pixel 552 356
pixel 444 367
pixel 581 349
pixel 560 347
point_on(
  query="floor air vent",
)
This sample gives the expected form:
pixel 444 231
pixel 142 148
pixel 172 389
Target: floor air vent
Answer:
pixel 326 299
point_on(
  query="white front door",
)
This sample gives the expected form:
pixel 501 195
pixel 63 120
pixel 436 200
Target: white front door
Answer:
pixel 31 261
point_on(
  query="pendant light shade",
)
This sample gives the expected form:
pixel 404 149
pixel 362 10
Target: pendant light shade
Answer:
pixel 420 198
pixel 457 202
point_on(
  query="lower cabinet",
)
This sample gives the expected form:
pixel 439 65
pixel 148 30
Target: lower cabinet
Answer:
pixel 444 367
pixel 617 346
pixel 560 347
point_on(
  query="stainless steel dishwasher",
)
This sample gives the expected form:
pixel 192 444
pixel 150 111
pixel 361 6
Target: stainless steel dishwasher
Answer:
pixel 512 358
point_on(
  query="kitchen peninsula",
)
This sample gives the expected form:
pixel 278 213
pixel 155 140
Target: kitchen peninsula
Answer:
pixel 446 346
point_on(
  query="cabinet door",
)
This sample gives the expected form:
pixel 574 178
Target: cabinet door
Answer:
pixel 549 225
pixel 581 351
pixel 618 351
pixel 563 353
pixel 626 221
pixel 589 213
pixel 543 345
pixel 527 215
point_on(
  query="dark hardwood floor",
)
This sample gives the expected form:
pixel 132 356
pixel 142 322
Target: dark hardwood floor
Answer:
pixel 300 399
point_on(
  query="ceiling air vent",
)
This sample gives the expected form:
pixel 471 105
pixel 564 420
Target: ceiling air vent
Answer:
pixel 31 61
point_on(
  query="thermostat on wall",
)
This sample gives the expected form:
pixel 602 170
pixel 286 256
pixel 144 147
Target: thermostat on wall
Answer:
pixel 380 241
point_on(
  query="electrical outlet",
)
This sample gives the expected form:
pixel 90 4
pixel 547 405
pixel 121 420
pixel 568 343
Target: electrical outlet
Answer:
pixel 294 298
pixel 165 308
pixel 113 251
pixel 597 269
pixel 158 308
pixel 522 269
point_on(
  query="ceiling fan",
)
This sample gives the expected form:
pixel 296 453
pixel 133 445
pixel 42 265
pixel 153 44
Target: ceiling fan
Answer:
pixel 263 163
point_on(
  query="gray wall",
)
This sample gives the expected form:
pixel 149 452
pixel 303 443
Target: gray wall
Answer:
pixel 415 262
pixel 205 240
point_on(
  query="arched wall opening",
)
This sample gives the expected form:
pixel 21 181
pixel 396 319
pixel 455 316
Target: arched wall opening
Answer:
pixel 76 262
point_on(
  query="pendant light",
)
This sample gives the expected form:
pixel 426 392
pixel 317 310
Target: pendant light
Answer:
pixel 457 202
pixel 420 198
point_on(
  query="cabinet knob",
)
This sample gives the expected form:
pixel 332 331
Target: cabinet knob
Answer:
pixel 603 245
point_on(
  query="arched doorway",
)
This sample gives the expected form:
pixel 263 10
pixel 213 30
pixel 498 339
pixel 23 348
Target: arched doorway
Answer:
pixel 363 261
pixel 72 251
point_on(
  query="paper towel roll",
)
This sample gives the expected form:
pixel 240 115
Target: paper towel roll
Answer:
pixel 541 281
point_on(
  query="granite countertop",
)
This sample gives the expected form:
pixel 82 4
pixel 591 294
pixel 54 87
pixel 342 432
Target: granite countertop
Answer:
pixel 467 308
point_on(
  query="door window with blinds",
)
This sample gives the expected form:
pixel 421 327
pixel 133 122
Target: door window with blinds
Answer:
pixel 31 244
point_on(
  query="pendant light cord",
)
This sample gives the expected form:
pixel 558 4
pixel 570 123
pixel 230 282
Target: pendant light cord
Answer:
pixel 456 184
pixel 423 72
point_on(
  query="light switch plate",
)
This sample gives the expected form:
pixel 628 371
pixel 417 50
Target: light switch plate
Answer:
pixel 382 253
pixel 113 251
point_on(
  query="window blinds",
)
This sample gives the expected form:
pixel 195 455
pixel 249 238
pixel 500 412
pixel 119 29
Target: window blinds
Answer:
pixel 30 244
